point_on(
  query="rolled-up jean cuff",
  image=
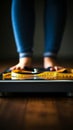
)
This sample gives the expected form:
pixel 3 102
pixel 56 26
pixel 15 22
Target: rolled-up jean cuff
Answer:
pixel 22 55
pixel 49 54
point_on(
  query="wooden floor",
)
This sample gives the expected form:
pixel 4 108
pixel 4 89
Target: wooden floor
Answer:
pixel 35 113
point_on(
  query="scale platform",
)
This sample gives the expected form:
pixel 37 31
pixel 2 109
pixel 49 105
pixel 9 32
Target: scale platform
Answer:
pixel 36 84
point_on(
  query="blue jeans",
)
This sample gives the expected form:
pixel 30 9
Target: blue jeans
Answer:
pixel 23 23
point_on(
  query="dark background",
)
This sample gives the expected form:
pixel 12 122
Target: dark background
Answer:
pixel 7 43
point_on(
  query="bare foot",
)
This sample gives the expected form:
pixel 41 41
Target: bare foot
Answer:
pixel 23 62
pixel 51 62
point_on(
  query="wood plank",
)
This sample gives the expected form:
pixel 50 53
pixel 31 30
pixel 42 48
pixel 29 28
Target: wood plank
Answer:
pixel 36 113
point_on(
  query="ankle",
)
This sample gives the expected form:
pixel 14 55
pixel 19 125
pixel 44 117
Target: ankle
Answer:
pixel 26 61
pixel 49 62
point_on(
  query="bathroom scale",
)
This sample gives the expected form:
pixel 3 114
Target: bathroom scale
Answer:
pixel 36 80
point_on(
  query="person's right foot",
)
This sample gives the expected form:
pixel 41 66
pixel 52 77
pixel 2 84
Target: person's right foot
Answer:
pixel 23 62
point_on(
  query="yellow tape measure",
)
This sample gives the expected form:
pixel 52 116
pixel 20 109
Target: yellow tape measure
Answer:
pixel 6 75
pixel 56 75
pixel 23 74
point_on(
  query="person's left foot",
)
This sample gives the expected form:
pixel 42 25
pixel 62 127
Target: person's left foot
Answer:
pixel 52 63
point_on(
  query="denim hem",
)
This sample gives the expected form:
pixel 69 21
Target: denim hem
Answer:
pixel 49 54
pixel 21 55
